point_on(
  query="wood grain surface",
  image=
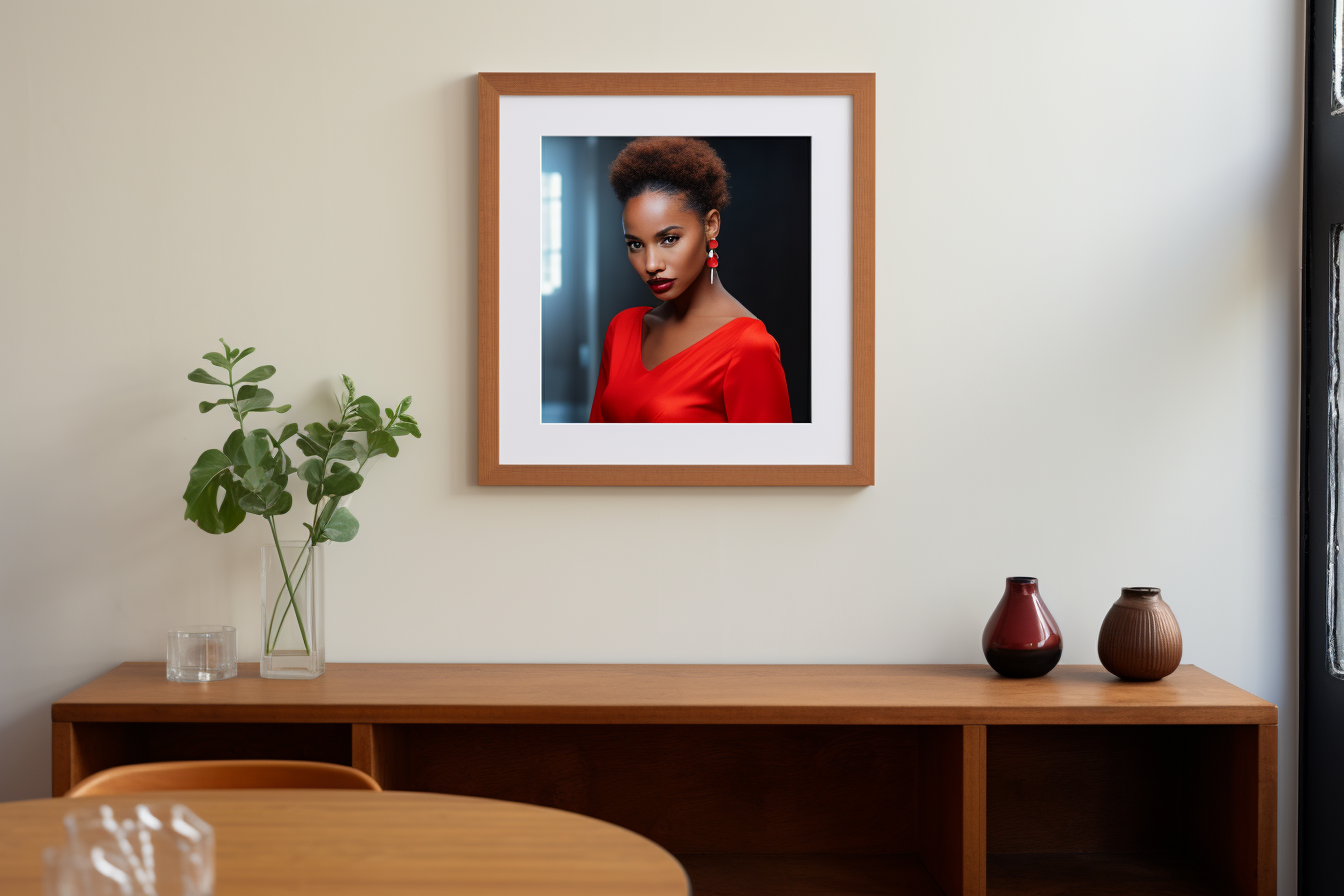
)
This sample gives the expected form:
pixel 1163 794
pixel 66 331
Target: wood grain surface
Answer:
pixel 334 843
pixel 665 694
pixel 836 780
pixel 809 875
pixel 863 88
pixel 690 788
pixel 1097 874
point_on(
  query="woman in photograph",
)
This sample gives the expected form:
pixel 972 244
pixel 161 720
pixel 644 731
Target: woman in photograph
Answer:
pixel 700 356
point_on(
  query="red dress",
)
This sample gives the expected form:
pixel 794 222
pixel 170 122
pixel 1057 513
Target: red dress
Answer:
pixel 733 375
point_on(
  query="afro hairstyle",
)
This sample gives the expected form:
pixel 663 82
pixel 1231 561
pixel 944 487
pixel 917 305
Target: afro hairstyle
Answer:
pixel 681 166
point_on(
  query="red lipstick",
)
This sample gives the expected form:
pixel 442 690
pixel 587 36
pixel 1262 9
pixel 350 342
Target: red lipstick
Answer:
pixel 661 285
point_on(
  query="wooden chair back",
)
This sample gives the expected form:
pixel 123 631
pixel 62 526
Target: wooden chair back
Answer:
pixel 224 774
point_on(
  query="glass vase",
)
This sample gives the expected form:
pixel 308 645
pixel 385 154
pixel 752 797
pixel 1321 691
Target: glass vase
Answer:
pixel 293 603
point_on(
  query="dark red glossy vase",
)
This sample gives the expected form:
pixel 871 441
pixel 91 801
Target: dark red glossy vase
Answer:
pixel 1022 639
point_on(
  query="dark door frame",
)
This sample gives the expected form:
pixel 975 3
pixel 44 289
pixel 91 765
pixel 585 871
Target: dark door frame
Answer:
pixel 1321 696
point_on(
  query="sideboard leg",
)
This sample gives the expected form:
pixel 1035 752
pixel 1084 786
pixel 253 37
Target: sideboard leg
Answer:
pixel 374 750
pixel 952 785
pixel 62 756
pixel 1236 802
pixel 78 749
pixel 361 747
pixel 1259 756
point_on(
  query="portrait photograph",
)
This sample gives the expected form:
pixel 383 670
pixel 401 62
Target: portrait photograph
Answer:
pixel 676 279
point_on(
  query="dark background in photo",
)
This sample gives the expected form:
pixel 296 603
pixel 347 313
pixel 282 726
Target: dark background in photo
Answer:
pixel 765 245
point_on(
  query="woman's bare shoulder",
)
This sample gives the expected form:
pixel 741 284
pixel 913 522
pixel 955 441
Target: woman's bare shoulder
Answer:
pixel 732 308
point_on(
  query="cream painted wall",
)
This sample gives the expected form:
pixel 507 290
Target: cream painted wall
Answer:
pixel 1087 350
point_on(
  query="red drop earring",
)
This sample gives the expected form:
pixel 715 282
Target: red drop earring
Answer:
pixel 713 261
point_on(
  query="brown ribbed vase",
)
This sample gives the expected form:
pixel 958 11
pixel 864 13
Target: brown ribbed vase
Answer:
pixel 1140 640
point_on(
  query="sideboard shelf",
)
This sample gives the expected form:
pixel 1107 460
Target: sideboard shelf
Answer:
pixel 784 780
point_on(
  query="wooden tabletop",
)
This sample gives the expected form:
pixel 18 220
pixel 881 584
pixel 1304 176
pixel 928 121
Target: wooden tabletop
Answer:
pixel 338 842
pixel 666 694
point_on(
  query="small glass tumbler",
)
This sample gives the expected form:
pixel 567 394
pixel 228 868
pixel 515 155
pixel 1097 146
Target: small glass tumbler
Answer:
pixel 60 876
pixel 202 653
pixel 150 849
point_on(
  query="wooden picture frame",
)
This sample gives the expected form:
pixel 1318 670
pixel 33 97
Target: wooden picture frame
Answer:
pixel 861 88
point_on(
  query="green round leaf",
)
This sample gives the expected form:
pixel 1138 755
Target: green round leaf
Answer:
pixel 342 526
pixel 311 470
pixel 200 376
pixel 343 450
pixel 256 446
pixel 233 448
pixel 281 506
pixel 381 442
pixel 208 476
pixel 264 372
pixel 342 480
pixel 367 408
pixel 209 465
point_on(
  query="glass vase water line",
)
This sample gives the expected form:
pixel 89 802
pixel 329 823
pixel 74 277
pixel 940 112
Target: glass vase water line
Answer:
pixel 293 603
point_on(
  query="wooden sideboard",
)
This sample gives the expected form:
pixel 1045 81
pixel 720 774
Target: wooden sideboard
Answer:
pixel 797 780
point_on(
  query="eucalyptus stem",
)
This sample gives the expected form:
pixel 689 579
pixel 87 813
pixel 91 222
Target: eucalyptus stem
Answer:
pixel 233 406
pixel 270 645
pixel 298 583
pixel 317 510
pixel 298 617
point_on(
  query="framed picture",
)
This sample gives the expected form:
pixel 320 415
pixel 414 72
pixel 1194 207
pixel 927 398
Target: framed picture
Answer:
pixel 676 277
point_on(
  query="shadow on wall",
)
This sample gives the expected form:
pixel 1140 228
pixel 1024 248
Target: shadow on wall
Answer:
pixel 25 742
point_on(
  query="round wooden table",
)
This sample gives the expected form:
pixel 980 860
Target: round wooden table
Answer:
pixel 336 842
